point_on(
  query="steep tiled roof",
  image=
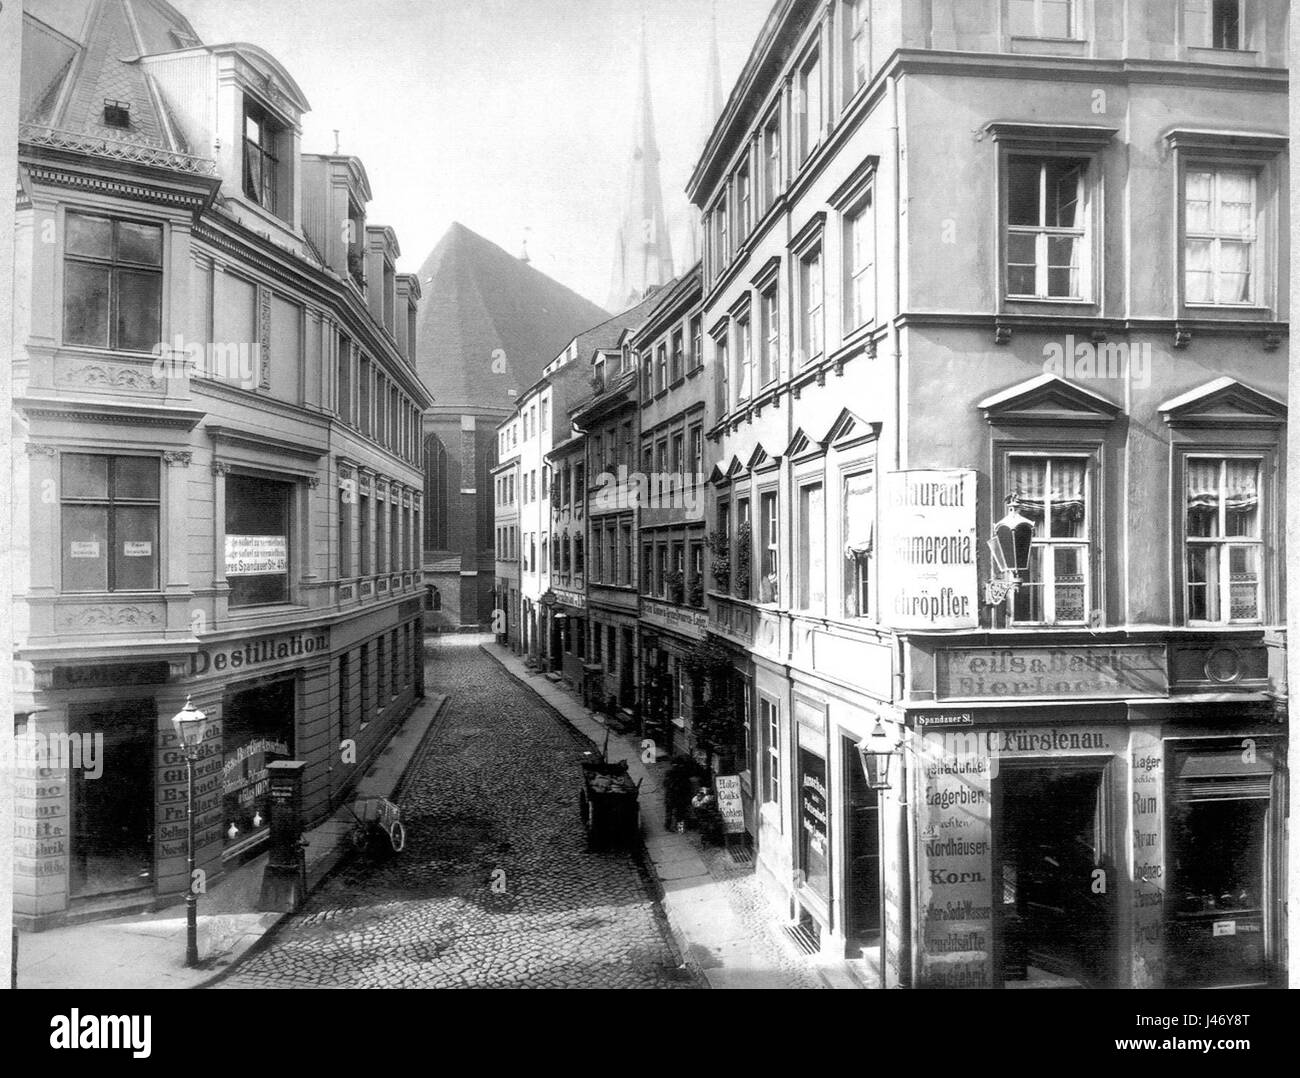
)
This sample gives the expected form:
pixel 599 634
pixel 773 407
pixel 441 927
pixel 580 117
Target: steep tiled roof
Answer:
pixel 489 322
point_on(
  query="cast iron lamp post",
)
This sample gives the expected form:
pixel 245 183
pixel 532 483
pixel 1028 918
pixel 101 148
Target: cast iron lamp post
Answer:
pixel 875 752
pixel 191 724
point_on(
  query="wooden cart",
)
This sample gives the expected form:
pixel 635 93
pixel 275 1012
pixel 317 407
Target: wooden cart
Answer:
pixel 607 803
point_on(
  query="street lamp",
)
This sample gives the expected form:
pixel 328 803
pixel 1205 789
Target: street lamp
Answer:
pixel 190 724
pixel 875 751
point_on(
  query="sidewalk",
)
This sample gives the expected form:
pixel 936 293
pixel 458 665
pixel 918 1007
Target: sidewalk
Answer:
pixel 723 923
pixel 147 950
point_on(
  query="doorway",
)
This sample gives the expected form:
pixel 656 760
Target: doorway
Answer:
pixel 1054 875
pixel 862 852
pixel 112 814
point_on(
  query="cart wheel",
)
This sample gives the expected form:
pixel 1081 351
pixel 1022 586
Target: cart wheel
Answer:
pixel 397 836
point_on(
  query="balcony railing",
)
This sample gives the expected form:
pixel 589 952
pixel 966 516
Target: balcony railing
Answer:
pixel 116 149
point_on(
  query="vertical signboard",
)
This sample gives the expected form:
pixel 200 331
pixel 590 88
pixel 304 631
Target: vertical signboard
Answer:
pixel 1146 753
pixel 927 566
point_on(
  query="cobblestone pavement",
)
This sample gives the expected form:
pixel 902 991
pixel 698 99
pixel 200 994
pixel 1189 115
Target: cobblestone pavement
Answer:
pixel 496 887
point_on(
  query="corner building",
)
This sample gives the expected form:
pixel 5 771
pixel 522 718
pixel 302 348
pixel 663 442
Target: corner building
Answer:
pixel 978 264
pixel 218 484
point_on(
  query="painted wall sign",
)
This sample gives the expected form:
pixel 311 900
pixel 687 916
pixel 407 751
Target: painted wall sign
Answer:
pixel 570 598
pixel 730 805
pixel 254 555
pixel 693 622
pixel 1116 671
pixel 1147 776
pixel 928 528
pixel 267 649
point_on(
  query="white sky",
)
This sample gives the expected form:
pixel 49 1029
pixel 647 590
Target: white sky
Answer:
pixel 504 115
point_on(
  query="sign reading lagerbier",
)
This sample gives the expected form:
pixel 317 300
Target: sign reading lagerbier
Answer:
pixel 253 555
pixel 928 527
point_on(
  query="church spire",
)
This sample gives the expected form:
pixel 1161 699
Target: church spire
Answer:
pixel 713 103
pixel 642 250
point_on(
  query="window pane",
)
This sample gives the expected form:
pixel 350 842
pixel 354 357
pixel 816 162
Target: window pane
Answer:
pixel 139 243
pixel 84 476
pixel 1243 582
pixel 139 310
pixel 135 548
pixel 85 548
pixel 85 304
pixel 1200 187
pixel 1056 18
pixel 91 236
pixel 1199 262
pixel 1021 264
pixel 135 477
pixel 1022 195
pixel 1062 266
pixel 1064 192
pixel 1021 13
pixel 1241 498
pixel 1203 583
pixel 1234 272
pixel 1070 569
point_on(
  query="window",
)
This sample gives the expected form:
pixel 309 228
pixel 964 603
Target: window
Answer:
pixel 345 402
pixel 744 357
pixel 347 497
pixel 812 548
pixel 545 563
pixel 661 457
pixel 625 555
pixel 647 378
pixel 1052 492
pixel 1212 24
pixel 647 569
pixel 257 540
pixel 661 368
pixel 1219 227
pixel 858 535
pixel 109 518
pixel 745 203
pixel 546 413
pixel 771 161
pixel 722 374
pixel 579 565
pixel 810 293
pixel 394 539
pixel 532 552
pixel 695 584
pixel 112 283
pixel 724 233
pixel 1223 539
pixel 366 425
pixel 678 446
pixel 262 137
pixel 769 590
pixel 1043 18
pixel 697 342
pixel 858 30
pixel 381 539
pixel 769 725
pixel 678 364
pixel 661 571
pixel 860 268
pixel 808 106
pixel 1047 227
pixel 697 455
pixel 769 311
pixel 363 512
pixel 546 480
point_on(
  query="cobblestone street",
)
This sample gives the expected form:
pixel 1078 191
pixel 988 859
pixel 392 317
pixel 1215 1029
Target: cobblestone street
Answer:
pixel 496 886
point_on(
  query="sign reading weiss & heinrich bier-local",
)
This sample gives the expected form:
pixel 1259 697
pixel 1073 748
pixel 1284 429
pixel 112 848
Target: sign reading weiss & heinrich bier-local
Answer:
pixel 1115 671
pixel 929 578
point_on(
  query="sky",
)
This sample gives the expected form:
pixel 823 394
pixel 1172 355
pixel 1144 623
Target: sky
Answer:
pixel 513 117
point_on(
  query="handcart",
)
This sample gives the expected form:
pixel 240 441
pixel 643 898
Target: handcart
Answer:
pixel 376 816
pixel 607 803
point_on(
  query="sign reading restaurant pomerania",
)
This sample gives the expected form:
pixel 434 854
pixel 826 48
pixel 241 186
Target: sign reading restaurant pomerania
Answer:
pixel 928 527
pixel 1112 671
pixel 236 655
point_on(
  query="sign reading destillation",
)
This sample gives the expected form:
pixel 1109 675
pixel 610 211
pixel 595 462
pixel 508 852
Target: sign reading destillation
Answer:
pixel 928 527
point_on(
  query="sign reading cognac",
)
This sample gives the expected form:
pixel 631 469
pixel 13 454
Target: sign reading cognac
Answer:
pixel 928 526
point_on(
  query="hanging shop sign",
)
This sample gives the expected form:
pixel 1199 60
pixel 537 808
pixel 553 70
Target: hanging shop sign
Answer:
pixel 1116 671
pixel 254 555
pixel 928 528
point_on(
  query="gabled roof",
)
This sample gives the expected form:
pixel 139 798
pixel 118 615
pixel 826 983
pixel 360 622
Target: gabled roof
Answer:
pixel 1223 402
pixel 1046 399
pixel 489 322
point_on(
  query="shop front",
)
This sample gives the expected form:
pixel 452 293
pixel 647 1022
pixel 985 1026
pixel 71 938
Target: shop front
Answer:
pixel 1128 837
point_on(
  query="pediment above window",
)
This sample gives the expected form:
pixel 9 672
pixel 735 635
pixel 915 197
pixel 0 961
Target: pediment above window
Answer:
pixel 717 477
pixel 1224 402
pixel 1048 399
pixel 760 461
pixel 734 469
pixel 803 445
pixel 849 430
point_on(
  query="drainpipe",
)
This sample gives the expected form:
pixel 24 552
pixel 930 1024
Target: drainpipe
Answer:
pixel 895 336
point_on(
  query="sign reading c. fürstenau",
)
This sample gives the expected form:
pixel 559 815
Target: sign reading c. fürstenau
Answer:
pixel 927 555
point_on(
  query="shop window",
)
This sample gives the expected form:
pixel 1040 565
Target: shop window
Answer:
pixel 109 521
pixel 1222 862
pixel 859 502
pixel 1219 237
pixel 257 729
pixel 1053 494
pixel 814 838
pixel 257 540
pixel 769 727
pixel 812 548
pixel 1224 544
pixel 112 283
pixel 1047 233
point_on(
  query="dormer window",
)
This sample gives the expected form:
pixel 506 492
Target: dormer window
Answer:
pixel 117 113
pixel 262 141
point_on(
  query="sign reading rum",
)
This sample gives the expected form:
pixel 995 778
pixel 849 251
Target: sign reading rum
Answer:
pixel 928 575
